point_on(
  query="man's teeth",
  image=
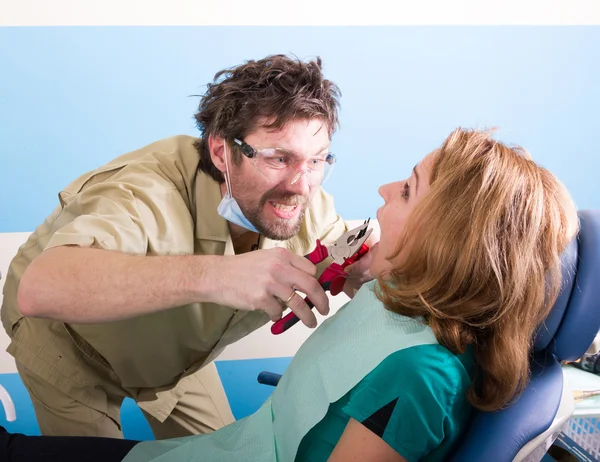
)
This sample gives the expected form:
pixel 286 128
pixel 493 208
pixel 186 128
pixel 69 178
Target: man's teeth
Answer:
pixel 285 208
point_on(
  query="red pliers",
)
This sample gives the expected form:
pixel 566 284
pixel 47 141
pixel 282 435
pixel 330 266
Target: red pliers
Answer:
pixel 347 249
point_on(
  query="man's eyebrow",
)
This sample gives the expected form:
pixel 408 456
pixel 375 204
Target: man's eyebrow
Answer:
pixel 319 151
pixel 325 146
pixel 417 178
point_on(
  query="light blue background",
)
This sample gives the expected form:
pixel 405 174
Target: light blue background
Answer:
pixel 73 98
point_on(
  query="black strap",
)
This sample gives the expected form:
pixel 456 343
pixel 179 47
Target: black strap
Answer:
pixel 378 421
pixel 255 246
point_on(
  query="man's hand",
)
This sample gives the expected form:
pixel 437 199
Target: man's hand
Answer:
pixel 266 279
pixel 358 274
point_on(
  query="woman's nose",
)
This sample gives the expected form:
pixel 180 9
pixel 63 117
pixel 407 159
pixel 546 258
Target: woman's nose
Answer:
pixel 383 190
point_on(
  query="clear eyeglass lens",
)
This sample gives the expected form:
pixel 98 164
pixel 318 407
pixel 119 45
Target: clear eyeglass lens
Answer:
pixel 274 162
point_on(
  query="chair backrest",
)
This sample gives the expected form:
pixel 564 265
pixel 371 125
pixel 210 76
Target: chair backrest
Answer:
pixel 568 331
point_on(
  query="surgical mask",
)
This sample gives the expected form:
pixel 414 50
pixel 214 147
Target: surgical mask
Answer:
pixel 229 208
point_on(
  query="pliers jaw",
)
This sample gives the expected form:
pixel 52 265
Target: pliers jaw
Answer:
pixel 349 243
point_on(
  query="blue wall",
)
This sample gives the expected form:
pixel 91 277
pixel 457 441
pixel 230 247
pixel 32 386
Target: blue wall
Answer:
pixel 73 98
pixel 244 393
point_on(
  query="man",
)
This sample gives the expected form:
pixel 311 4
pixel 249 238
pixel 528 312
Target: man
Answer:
pixel 144 271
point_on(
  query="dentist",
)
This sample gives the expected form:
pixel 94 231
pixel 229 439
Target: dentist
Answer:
pixel 152 264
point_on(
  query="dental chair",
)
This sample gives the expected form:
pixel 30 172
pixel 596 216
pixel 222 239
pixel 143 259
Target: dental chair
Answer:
pixel 525 430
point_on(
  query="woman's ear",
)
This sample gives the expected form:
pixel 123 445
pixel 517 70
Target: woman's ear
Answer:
pixel 216 147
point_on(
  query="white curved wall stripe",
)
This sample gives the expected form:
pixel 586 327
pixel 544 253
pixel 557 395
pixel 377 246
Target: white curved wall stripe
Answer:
pixel 308 12
pixel 9 244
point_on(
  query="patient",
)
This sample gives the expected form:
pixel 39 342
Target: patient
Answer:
pixel 467 268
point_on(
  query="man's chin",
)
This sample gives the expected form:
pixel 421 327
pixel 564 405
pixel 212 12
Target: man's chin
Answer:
pixel 280 230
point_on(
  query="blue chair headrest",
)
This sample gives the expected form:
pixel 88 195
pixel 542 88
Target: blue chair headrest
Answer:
pixel 573 321
pixel 548 329
pixel 567 333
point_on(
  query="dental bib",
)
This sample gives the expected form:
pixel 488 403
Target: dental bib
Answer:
pixel 334 359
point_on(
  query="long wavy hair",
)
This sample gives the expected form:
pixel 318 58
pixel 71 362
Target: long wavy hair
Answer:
pixel 483 258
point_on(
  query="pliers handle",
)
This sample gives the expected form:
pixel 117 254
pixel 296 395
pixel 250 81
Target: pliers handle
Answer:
pixel 333 277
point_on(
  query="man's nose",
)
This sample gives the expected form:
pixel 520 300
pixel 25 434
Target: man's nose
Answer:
pixel 300 183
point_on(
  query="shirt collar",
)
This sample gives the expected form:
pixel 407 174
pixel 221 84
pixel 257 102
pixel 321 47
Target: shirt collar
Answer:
pixel 207 197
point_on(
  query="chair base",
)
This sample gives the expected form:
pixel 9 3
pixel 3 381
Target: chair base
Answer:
pixel 536 449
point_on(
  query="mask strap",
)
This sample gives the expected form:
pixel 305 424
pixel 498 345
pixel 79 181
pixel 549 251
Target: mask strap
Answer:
pixel 227 184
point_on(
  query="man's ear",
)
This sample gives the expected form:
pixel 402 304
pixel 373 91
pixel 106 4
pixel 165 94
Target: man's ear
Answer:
pixel 216 147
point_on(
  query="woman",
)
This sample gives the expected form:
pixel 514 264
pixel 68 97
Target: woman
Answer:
pixel 467 267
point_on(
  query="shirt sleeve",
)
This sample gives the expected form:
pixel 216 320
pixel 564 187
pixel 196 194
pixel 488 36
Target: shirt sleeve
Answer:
pixel 408 400
pixel 121 213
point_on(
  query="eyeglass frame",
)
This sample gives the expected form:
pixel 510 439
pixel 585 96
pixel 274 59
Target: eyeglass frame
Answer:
pixel 251 152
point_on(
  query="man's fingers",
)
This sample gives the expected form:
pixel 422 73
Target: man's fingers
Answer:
pixel 273 308
pixel 297 304
pixel 303 264
pixel 311 287
pixel 297 272
pixel 360 269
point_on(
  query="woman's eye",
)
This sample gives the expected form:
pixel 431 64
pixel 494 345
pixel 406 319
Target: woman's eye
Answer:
pixel 406 191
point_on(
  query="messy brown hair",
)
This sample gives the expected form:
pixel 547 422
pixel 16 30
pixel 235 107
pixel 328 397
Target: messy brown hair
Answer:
pixel 269 92
pixel 483 264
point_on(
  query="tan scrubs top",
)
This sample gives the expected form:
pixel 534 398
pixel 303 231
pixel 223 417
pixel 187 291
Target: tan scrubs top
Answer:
pixel 152 201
